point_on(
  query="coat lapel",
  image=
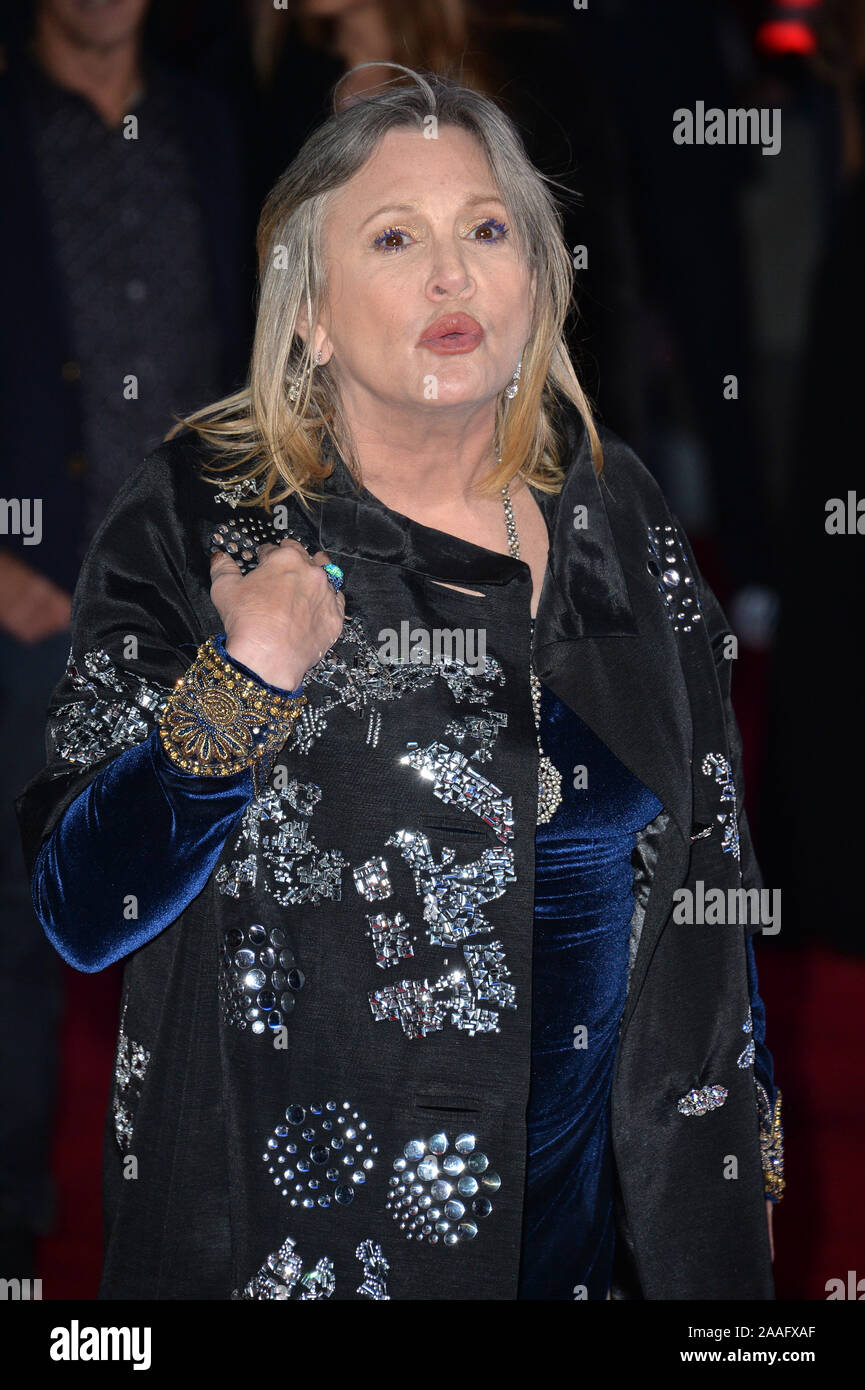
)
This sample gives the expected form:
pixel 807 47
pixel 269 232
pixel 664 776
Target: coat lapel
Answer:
pixel 619 671
pixel 603 642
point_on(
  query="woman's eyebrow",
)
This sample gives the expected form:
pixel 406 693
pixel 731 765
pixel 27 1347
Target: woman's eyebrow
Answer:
pixel 413 207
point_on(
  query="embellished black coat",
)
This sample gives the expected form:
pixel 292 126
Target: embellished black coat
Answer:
pixel 340 1017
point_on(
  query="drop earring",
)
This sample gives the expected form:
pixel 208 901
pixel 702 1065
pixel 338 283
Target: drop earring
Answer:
pixel 296 386
pixel 513 385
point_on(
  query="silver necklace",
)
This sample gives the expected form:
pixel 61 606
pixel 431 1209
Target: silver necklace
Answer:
pixel 549 777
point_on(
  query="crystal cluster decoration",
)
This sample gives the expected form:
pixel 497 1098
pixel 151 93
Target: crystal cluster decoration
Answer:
pixel 412 1004
pixel 716 765
pixel 282 1277
pixel 668 564
pixel 320 1155
pixel 700 1102
pixel 354 675
pixel 117 709
pixel 293 868
pixel 130 1066
pixel 372 880
pixel 490 974
pixel 422 1008
pixel 375 1271
pixel 457 997
pixel 455 782
pixel 440 1192
pixel 483 728
pixel 259 978
pixel 746 1057
pixel 454 893
pixel 237 489
pixel 391 938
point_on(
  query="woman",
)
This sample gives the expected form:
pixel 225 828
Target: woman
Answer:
pixel 389 848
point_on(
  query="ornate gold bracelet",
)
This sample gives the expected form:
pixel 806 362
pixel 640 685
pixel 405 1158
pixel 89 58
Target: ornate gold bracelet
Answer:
pixel 217 721
pixel 771 1142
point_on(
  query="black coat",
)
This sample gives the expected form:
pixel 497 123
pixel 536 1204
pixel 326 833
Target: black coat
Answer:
pixel 204 1214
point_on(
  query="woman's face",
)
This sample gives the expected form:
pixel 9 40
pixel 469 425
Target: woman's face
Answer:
pixel 421 233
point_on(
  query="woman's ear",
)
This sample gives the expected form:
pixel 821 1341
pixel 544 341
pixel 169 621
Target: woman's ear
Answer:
pixel 321 342
pixel 301 323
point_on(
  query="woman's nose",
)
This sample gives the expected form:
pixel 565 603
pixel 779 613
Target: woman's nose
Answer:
pixel 448 271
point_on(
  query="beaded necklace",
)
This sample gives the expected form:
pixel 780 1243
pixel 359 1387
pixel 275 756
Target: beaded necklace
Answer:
pixel 549 777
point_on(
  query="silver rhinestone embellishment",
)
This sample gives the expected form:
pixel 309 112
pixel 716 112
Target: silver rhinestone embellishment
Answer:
pixel 441 1193
pixel 294 869
pixel 716 765
pixel 372 881
pixel 668 564
pixel 320 1155
pixel 130 1066
pixel 259 978
pixel 281 1277
pixel 391 938
pixel 375 1271
pixel 455 782
pixel 483 728
pixel 453 893
pixel 746 1057
pixel 117 710
pixel 700 1102
pixel 353 674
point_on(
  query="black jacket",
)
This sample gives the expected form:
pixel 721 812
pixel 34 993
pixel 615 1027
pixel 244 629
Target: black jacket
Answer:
pixel 617 641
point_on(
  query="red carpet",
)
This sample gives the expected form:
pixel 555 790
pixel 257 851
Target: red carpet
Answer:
pixel 69 1261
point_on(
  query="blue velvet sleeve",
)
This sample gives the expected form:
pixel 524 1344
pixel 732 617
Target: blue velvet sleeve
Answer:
pixel 763 1063
pixel 133 850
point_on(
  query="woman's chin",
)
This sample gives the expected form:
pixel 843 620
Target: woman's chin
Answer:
pixel 455 388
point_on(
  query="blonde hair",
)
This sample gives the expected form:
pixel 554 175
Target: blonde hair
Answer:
pixel 283 444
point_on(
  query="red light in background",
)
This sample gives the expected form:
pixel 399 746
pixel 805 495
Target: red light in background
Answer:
pixel 787 26
pixel 786 36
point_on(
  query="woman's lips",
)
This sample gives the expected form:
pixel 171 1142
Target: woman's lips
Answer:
pixel 452 333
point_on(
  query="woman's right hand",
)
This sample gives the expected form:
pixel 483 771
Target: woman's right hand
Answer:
pixel 282 617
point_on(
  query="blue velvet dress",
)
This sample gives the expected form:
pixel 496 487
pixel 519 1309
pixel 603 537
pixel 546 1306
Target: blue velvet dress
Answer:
pixel 583 906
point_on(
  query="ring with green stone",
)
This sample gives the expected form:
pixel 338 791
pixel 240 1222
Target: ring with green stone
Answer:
pixel 335 576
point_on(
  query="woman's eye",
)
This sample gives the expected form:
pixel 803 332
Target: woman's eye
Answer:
pixel 496 231
pixel 382 242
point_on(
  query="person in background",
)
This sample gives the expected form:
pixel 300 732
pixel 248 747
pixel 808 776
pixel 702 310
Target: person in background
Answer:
pixel 125 254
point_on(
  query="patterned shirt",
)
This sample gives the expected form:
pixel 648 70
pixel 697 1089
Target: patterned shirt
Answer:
pixel 132 255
